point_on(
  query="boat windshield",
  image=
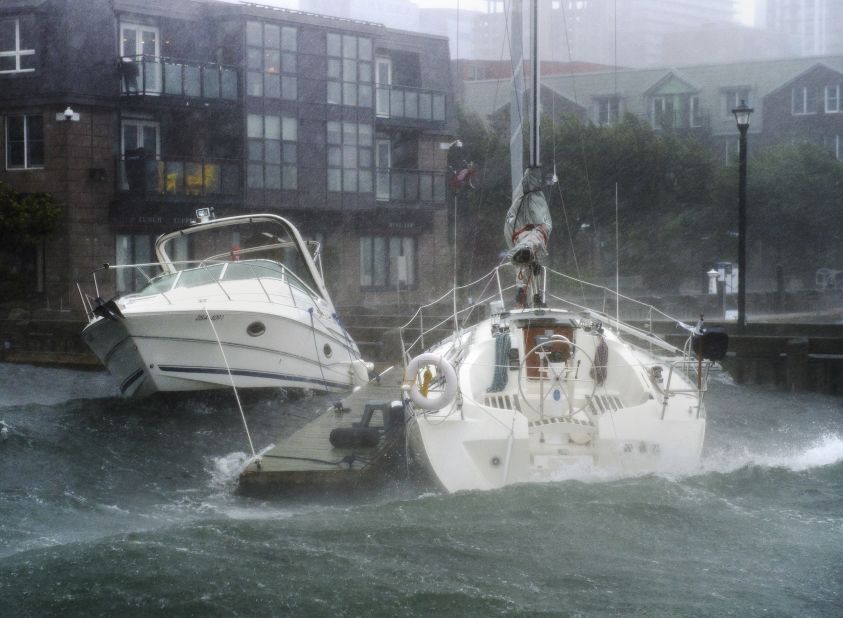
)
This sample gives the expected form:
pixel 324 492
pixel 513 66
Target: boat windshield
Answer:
pixel 267 246
pixel 230 271
pixel 161 283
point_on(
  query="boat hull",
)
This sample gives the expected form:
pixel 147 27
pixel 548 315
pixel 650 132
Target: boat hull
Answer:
pixel 149 351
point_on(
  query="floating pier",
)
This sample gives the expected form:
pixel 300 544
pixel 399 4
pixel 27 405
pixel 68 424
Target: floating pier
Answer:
pixel 352 446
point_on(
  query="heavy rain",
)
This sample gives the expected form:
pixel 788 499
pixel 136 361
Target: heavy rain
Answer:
pixel 421 307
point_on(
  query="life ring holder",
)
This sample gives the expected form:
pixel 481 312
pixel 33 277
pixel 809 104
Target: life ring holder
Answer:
pixel 444 368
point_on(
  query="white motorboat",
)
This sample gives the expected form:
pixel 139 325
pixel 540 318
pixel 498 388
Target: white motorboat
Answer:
pixel 542 393
pixel 547 388
pixel 244 304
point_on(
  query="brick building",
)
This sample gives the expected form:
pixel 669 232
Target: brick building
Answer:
pixel 338 125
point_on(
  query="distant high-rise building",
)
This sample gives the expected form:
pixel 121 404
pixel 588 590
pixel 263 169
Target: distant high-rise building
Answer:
pixel 602 30
pixel 814 26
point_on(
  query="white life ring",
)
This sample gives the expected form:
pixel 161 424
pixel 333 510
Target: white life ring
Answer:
pixel 444 368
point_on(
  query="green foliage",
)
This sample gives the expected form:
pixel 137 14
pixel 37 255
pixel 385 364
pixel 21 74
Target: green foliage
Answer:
pixel 26 218
pixel 794 206
pixel 666 186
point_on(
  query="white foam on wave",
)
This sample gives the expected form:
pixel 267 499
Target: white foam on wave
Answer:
pixel 225 469
pixel 825 451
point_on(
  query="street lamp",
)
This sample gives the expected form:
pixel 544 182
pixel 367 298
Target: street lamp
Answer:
pixel 742 113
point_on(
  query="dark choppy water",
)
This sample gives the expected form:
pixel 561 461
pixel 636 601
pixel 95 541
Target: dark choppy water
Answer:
pixel 120 508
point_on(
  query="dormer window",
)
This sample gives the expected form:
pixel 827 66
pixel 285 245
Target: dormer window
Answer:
pixel 17 45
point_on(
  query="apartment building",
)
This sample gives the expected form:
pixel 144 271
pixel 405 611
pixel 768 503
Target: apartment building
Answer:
pixel 339 125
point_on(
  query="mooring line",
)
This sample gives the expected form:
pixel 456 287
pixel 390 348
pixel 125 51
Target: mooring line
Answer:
pixel 231 379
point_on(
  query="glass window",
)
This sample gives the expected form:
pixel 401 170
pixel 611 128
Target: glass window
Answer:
pixel 272 152
pixel 271 36
pixel 133 249
pixel 349 65
pixel 387 261
pixel 24 142
pixel 349 150
pixel 832 99
pixel 271 61
pixel 334 43
pixel 804 100
pixel 254 34
pixel 17 45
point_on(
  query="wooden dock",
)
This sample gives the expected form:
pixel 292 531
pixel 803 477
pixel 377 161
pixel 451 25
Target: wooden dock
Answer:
pixel 307 462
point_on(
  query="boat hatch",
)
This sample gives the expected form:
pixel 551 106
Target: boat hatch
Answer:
pixel 560 350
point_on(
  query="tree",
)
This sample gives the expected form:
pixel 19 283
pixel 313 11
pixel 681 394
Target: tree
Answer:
pixel 794 205
pixel 665 196
pixel 26 220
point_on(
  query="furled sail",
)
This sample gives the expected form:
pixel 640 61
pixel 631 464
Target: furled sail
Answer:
pixel 528 224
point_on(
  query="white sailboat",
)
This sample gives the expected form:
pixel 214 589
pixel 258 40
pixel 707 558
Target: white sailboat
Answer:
pixel 544 386
pixel 247 306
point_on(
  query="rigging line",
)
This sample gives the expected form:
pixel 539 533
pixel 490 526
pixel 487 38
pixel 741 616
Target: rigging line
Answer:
pixel 505 44
pixel 571 239
pixel 316 345
pixel 231 379
pixel 581 133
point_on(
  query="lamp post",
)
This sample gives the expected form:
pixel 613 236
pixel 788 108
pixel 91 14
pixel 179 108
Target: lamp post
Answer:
pixel 742 113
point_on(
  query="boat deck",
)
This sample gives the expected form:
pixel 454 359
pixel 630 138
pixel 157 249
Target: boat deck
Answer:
pixel 307 461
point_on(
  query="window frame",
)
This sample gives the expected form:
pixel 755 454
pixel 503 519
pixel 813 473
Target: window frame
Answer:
pixel 612 107
pixel 27 142
pixel 285 45
pixel 838 104
pixel 287 169
pixel 342 88
pixel 368 262
pixel 339 149
pixel 803 109
pixel 16 52
pixel 732 98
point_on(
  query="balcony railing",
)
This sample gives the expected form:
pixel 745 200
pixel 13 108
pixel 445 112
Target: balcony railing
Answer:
pixel 180 176
pixel 397 185
pixel 156 76
pixel 410 103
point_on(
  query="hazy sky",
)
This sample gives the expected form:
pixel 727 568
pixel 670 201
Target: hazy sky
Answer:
pixel 746 7
pixel 745 11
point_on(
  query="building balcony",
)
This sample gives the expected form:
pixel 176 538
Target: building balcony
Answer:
pixel 166 77
pixel 179 177
pixel 396 185
pixel 410 104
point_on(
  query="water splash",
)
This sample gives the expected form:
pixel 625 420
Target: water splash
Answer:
pixel 827 450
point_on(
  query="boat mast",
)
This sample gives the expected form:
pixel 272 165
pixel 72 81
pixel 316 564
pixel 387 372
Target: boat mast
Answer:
pixel 534 83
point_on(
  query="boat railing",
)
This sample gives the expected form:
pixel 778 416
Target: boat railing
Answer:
pixel 139 273
pixel 475 296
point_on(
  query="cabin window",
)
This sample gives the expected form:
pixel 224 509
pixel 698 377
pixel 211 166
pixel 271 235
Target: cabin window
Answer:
pixel 17 45
pixel 387 262
pixel 24 142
